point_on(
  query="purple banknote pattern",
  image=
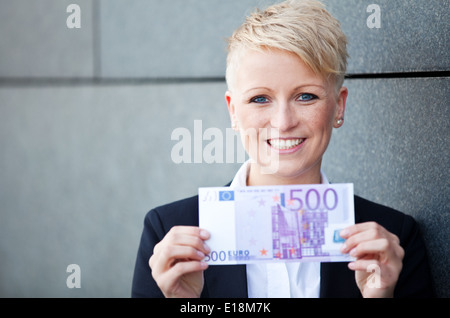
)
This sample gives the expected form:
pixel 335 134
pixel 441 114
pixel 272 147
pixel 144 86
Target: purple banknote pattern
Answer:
pixel 276 223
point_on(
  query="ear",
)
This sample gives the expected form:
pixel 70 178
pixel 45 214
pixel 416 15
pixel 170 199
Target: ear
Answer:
pixel 230 105
pixel 340 109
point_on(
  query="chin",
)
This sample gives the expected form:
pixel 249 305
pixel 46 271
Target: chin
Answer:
pixel 280 168
pixel 288 172
pixel 293 170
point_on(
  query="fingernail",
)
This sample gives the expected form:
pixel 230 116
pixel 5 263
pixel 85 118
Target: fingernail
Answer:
pixel 344 248
pixel 206 247
pixel 353 252
pixel 344 233
pixel 200 254
pixel 204 234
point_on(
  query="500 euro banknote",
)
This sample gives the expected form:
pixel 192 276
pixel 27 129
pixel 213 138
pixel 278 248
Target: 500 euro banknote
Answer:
pixel 276 223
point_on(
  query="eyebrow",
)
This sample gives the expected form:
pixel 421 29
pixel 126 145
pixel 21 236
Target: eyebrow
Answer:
pixel 296 88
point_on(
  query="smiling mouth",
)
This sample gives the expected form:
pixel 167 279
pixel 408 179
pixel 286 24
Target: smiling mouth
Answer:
pixel 285 144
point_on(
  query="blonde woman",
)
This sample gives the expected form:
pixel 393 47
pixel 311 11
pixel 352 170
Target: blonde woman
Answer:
pixel 285 70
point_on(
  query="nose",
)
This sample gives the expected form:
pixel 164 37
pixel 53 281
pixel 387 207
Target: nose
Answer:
pixel 284 117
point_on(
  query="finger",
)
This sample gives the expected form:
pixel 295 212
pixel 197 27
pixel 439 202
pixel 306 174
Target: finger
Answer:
pixel 381 247
pixel 169 257
pixel 180 243
pixel 185 240
pixel 182 268
pixel 175 253
pixel 361 232
pixel 364 265
pixel 371 233
pixel 357 228
pixel 193 241
pixel 189 230
pixel 186 236
pixel 167 280
pixel 355 239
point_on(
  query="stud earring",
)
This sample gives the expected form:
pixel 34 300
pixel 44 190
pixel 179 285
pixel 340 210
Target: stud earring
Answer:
pixel 339 121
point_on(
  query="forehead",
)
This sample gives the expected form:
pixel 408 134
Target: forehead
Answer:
pixel 274 68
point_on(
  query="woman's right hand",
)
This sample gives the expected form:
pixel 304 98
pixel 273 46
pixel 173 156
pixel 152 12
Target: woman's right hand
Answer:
pixel 177 262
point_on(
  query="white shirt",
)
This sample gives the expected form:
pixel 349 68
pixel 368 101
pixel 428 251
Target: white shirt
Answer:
pixel 280 280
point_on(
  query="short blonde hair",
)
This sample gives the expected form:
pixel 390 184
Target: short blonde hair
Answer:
pixel 303 27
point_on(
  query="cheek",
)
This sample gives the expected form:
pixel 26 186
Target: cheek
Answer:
pixel 325 115
pixel 318 121
pixel 250 118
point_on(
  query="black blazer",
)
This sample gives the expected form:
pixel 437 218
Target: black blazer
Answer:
pixel 230 281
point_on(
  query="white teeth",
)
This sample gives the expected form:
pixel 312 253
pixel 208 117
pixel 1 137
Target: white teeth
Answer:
pixel 285 143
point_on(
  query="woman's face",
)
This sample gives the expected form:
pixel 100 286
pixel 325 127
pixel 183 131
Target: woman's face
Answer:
pixel 285 114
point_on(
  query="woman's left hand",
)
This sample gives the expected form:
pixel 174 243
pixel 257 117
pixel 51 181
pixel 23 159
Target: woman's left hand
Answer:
pixel 379 258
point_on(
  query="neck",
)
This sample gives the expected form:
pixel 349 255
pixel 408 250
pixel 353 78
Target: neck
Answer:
pixel 310 176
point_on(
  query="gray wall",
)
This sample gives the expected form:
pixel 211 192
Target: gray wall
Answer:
pixel 86 117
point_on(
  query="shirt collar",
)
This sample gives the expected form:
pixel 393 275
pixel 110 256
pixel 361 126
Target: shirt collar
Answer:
pixel 240 179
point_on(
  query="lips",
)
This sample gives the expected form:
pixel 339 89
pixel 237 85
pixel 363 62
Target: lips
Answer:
pixel 285 143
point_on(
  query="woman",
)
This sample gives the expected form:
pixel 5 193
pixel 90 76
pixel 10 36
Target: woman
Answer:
pixel 285 70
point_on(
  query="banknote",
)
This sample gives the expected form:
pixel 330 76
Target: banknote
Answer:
pixel 276 223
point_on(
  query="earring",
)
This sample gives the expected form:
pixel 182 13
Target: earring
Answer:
pixel 339 121
pixel 233 125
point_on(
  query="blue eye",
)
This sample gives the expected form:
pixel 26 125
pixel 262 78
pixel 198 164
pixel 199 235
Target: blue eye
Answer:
pixel 307 97
pixel 259 100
